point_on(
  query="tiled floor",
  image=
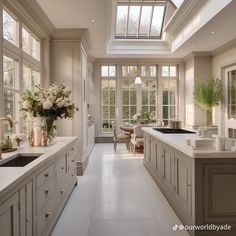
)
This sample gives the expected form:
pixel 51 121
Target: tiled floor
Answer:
pixel 116 197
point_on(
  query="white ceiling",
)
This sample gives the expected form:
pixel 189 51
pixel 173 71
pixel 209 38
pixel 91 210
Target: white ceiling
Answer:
pixel 80 13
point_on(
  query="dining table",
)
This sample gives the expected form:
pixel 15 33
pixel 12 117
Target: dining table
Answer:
pixel 127 129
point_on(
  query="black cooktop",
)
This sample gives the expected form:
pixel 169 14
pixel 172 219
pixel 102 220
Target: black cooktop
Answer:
pixel 173 131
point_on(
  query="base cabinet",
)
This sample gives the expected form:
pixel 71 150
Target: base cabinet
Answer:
pixel 33 209
pixel 10 216
pixel 200 190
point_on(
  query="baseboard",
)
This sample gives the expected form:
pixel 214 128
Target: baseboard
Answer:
pixel 103 139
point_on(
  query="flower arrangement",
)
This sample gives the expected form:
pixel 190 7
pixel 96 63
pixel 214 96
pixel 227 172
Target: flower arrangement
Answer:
pixel 144 117
pixel 51 103
pixel 18 138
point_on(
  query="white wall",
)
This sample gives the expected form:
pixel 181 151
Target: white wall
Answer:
pixel 195 66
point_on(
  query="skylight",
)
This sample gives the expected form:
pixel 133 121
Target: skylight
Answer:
pixel 140 19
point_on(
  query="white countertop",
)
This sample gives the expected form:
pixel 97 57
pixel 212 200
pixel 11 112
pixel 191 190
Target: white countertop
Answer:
pixel 12 175
pixel 178 141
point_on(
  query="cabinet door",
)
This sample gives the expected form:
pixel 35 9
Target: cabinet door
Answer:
pixel 10 216
pixel 159 155
pixel 183 185
pixel 153 154
pixel 71 157
pixel 147 149
pixel 26 209
pixel 62 178
pixel 167 169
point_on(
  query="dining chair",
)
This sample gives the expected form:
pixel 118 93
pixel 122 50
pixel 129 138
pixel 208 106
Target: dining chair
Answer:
pixel 120 137
pixel 136 138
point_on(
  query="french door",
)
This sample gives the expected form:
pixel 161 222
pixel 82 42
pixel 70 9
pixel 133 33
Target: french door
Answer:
pixel 230 102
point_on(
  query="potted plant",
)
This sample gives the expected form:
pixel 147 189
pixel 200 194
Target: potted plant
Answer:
pixel 207 94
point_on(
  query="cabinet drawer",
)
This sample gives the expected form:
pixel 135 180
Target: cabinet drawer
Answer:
pixel 44 193
pixel 45 216
pixel 45 175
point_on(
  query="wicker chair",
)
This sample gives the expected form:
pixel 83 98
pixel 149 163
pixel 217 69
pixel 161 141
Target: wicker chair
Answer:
pixel 136 139
pixel 119 137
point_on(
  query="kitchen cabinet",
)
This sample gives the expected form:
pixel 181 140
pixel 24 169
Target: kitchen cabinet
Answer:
pixel 183 182
pixel 34 205
pixel 10 216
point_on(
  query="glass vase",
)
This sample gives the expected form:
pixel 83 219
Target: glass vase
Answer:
pixel 49 130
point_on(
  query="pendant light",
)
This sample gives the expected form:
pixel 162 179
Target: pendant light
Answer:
pixel 138 78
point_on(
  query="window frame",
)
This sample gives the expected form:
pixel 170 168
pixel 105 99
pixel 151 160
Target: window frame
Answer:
pixel 109 119
pixel 141 4
pixel 16 53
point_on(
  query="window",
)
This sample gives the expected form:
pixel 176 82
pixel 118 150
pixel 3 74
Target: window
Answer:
pixel 108 97
pixel 129 96
pixel 140 19
pixel 169 93
pixel 10 91
pixel 9 28
pixel 30 78
pixel 30 44
pixel 232 94
pixel 21 71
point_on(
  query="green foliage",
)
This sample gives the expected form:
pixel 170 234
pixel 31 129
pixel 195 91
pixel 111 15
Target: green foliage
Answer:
pixel 207 93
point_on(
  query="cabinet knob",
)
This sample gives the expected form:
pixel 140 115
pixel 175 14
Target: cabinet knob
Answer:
pixel 72 149
pixel 47 190
pixel 72 160
pixel 46 174
pixel 62 191
pixel 48 213
pixel 62 167
pixel 188 185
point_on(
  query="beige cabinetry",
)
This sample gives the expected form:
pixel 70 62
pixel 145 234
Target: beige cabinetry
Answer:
pixel 200 190
pixel 10 216
pixel 34 207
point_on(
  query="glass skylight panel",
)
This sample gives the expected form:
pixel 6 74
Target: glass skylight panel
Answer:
pixel 134 14
pixel 157 20
pixel 146 16
pixel 140 19
pixel 177 2
pixel 121 20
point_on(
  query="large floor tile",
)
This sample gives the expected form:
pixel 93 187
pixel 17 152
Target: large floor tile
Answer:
pixel 117 197
pixel 108 210
pixel 124 228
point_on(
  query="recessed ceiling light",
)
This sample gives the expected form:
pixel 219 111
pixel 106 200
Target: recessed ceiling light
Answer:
pixel 92 21
pixel 212 32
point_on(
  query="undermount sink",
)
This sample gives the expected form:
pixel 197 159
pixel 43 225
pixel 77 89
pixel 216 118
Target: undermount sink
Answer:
pixel 20 160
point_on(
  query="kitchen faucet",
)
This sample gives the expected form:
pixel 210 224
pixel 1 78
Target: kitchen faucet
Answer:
pixel 10 121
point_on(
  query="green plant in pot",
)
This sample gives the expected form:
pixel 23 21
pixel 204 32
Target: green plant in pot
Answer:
pixel 207 94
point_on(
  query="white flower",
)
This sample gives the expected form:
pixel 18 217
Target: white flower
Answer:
pixel 47 105
pixel 26 105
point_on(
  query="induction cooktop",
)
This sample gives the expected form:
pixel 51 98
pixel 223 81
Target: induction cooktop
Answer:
pixel 173 131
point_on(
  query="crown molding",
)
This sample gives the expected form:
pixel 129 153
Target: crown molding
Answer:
pixel 197 55
pixel 225 47
pixel 180 15
pixel 81 35
pixel 33 14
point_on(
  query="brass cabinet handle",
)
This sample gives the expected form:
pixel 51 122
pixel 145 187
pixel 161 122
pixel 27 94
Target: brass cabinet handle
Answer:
pixel 72 160
pixel 62 191
pixel 188 185
pixel 46 174
pixel 47 190
pixel 62 167
pixel 48 213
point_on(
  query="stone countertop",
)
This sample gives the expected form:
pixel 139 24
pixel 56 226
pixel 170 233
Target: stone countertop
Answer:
pixel 178 141
pixel 11 176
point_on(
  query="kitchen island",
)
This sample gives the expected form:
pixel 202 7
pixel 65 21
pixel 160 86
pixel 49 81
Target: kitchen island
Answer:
pixel 35 188
pixel 199 184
